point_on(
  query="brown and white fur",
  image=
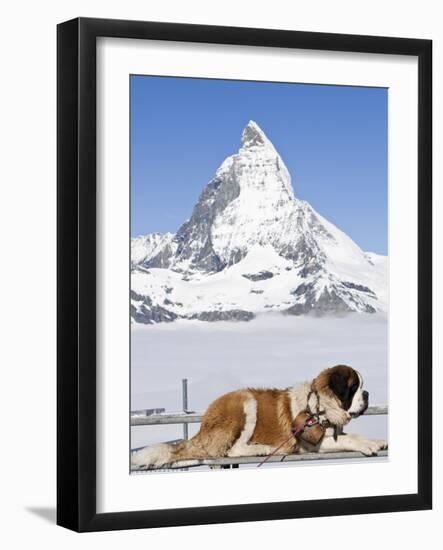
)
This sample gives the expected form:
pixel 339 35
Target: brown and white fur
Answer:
pixel 254 422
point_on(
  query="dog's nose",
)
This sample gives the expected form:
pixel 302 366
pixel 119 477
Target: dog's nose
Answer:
pixel 365 395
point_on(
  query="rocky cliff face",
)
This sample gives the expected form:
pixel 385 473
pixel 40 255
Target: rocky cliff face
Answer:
pixel 250 247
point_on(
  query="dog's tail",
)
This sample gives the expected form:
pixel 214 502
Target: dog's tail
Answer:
pixel 164 454
pixel 155 456
pixel 220 427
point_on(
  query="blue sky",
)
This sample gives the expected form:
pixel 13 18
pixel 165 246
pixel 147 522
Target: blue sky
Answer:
pixel 333 139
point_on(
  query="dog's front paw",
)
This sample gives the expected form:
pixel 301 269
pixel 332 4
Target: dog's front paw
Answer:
pixel 371 447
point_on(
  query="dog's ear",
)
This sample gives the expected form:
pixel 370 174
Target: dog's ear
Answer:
pixel 339 384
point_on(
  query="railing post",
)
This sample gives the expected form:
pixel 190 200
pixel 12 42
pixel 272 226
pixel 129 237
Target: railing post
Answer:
pixel 185 405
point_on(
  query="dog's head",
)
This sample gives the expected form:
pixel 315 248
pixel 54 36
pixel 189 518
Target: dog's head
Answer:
pixel 346 385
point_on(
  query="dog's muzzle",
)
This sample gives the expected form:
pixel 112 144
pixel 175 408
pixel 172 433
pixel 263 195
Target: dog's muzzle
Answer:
pixel 365 396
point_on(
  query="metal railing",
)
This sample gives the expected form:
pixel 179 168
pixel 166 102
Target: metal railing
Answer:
pixel 140 418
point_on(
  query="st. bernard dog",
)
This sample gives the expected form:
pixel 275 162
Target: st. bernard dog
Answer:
pixel 256 422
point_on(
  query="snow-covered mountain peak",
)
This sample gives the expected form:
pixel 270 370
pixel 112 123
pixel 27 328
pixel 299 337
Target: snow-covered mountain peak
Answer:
pixel 253 136
pixel 250 246
pixel 264 167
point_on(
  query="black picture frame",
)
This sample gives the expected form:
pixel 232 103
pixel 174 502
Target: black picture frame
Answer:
pixel 76 265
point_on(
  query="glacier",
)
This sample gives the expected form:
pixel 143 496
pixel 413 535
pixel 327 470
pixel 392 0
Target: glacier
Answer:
pixel 251 247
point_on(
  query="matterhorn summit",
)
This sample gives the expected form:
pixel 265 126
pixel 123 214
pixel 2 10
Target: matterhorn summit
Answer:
pixel 251 247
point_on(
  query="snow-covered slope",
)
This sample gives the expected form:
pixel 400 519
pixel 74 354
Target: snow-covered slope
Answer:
pixel 144 247
pixel 251 246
